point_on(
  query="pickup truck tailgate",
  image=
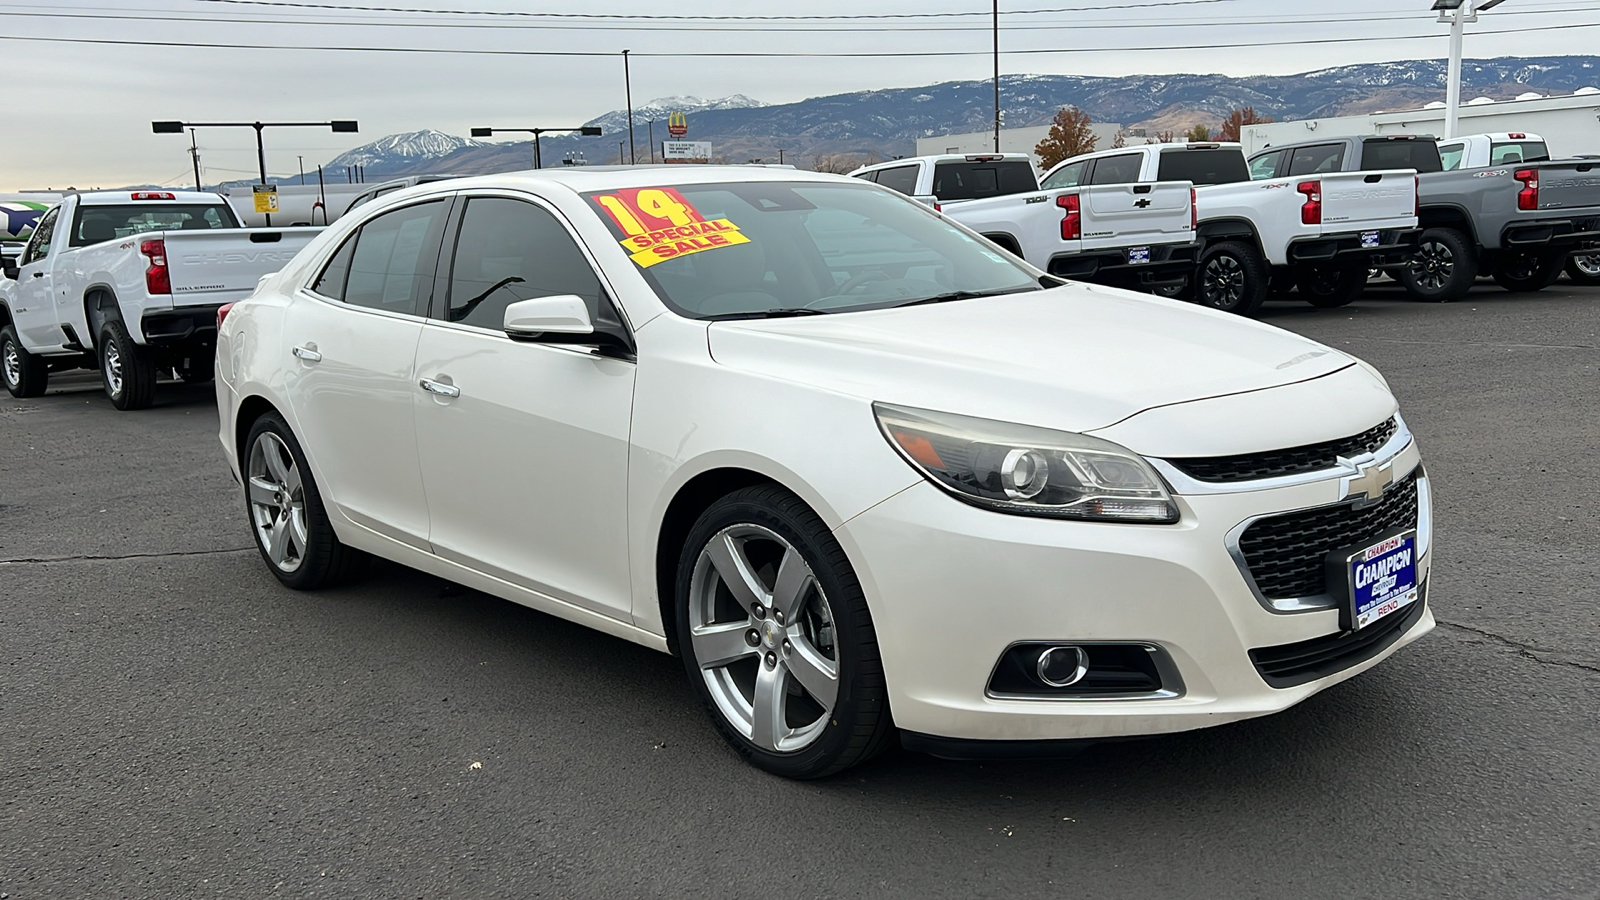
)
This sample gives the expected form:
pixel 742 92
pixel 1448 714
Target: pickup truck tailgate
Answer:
pixel 210 267
pixel 1569 185
pixel 1117 215
pixel 1359 200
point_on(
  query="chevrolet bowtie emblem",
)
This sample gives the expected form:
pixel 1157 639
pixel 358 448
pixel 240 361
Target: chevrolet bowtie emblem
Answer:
pixel 1370 481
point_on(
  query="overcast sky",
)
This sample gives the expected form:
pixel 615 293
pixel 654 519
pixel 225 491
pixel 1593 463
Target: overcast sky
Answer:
pixel 80 113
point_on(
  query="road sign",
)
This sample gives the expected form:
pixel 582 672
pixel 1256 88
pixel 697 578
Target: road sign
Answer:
pixel 677 124
pixel 697 150
pixel 266 197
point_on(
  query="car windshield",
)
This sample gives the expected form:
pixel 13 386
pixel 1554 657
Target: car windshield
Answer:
pixel 771 248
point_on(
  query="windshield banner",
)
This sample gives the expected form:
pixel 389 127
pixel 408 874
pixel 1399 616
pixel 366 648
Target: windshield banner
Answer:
pixel 661 225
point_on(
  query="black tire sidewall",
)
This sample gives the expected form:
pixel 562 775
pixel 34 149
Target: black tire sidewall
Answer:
pixel 862 692
pixel 1463 268
pixel 138 373
pixel 1256 277
pixel 1347 286
pixel 8 335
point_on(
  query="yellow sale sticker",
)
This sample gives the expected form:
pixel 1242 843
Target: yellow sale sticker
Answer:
pixel 661 225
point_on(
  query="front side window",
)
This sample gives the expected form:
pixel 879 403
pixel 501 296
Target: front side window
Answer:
pixel 750 249
pixel 1122 169
pixel 39 244
pixel 391 267
pixel 1323 159
pixel 1066 176
pixel 510 250
pixel 1265 166
pixel 899 178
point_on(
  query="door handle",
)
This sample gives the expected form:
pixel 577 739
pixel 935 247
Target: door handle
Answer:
pixel 37 275
pixel 308 353
pixel 439 387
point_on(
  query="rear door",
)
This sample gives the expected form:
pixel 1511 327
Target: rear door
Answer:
pixel 1121 215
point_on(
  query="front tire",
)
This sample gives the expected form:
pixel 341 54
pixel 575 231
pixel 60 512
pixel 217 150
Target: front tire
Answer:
pixel 1327 287
pixel 1232 278
pixel 1442 269
pixel 286 512
pixel 1584 268
pixel 776 637
pixel 1525 273
pixel 126 370
pixel 25 375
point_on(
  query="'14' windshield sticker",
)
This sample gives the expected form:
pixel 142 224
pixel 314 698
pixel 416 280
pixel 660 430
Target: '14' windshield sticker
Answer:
pixel 661 225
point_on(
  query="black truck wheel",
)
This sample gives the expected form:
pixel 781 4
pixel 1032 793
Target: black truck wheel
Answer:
pixel 1524 273
pixel 25 375
pixel 126 370
pixel 1444 267
pixel 1327 287
pixel 1232 277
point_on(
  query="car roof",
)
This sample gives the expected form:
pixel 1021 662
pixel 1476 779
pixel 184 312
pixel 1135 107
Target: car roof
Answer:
pixel 583 179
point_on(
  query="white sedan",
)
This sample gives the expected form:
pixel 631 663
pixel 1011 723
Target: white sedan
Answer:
pixel 869 477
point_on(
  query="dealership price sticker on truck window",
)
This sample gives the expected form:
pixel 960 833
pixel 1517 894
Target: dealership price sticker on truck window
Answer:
pixel 661 225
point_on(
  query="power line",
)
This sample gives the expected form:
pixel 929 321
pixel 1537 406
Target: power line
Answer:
pixel 755 54
pixel 691 18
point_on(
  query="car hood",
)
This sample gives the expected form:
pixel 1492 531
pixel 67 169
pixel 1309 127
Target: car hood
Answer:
pixel 1076 358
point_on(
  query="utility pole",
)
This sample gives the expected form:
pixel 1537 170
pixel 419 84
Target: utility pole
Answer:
pixel 302 168
pixel 1452 101
pixel 194 153
pixel 627 84
pixel 652 126
pixel 997 76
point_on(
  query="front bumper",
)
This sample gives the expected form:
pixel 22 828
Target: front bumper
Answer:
pixel 1395 247
pixel 1170 265
pixel 952 586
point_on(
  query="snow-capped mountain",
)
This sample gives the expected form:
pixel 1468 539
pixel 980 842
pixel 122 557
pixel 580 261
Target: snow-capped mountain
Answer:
pixel 399 150
pixel 661 107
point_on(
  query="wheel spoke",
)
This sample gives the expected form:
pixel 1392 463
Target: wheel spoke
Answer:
pixel 278 540
pixel 729 560
pixel 789 588
pixel 767 710
pixel 297 531
pixel 263 492
pixel 292 482
pixel 273 454
pixel 718 645
pixel 815 672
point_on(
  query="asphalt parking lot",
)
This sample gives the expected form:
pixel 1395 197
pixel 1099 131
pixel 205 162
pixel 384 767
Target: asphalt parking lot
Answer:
pixel 173 723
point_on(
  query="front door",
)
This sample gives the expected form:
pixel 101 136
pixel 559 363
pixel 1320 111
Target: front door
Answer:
pixel 35 308
pixel 524 447
pixel 353 338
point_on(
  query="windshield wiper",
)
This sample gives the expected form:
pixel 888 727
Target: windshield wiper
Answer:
pixel 785 313
pixel 965 295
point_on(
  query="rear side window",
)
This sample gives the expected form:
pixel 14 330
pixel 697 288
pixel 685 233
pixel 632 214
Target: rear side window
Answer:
pixel 1322 159
pixel 899 178
pixel 1122 169
pixel 1265 166
pixel 976 180
pixel 509 250
pixel 1505 153
pixel 1420 155
pixel 1219 166
pixel 393 262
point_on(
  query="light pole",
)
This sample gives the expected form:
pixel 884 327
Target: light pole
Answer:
pixel 538 161
pixel 1458 23
pixel 652 126
pixel 346 126
pixel 997 76
pixel 194 153
pixel 627 86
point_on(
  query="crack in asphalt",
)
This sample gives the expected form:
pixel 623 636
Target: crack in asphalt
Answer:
pixel 47 560
pixel 1522 650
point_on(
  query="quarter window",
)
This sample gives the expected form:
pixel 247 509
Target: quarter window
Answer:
pixel 331 282
pixel 391 267
pixel 509 250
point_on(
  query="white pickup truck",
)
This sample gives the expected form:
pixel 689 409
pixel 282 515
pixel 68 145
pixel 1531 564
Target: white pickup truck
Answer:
pixel 130 283
pixel 1138 236
pixel 1322 232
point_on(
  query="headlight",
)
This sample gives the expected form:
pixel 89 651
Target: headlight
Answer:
pixel 1027 470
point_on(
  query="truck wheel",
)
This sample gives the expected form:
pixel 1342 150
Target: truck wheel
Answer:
pixel 1232 277
pixel 1443 268
pixel 1524 273
pixel 286 514
pixel 199 371
pixel 26 375
pixel 1326 287
pixel 126 370
pixel 1584 268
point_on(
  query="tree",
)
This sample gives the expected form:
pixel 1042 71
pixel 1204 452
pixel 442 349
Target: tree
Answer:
pixel 1198 134
pixel 1121 140
pixel 842 163
pixel 1234 125
pixel 1069 136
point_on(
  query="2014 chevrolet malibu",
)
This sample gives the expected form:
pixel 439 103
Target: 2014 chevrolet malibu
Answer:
pixel 867 475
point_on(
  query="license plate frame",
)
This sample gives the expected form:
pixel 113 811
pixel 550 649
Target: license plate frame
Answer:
pixel 1138 256
pixel 1371 240
pixel 1380 580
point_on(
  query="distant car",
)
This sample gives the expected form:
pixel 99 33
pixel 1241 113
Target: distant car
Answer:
pixel 864 473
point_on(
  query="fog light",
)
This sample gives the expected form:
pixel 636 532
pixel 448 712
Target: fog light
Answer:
pixel 1062 666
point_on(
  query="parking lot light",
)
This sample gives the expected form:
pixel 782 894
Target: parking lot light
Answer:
pixel 538 162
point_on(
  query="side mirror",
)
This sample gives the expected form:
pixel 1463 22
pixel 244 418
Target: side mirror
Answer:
pixel 10 269
pixel 528 320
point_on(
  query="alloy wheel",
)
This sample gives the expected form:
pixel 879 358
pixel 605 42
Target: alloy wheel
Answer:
pixel 11 359
pixel 277 501
pixel 763 637
pixel 1433 265
pixel 1223 282
pixel 114 368
pixel 1588 264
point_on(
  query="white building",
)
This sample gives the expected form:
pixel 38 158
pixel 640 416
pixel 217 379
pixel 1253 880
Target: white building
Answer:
pixel 1012 140
pixel 1569 124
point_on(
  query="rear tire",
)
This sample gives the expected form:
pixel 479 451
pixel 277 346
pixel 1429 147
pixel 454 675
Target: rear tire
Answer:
pixel 25 375
pixel 1327 287
pixel 1525 273
pixel 126 370
pixel 1584 268
pixel 1231 277
pixel 286 513
pixel 806 697
pixel 1443 268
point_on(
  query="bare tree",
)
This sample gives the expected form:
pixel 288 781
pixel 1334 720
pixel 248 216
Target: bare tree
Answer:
pixel 842 163
pixel 1236 122
pixel 1070 135
pixel 1121 140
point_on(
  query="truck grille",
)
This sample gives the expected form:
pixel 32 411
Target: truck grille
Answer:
pixel 1287 554
pixel 1294 461
pixel 1288 665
